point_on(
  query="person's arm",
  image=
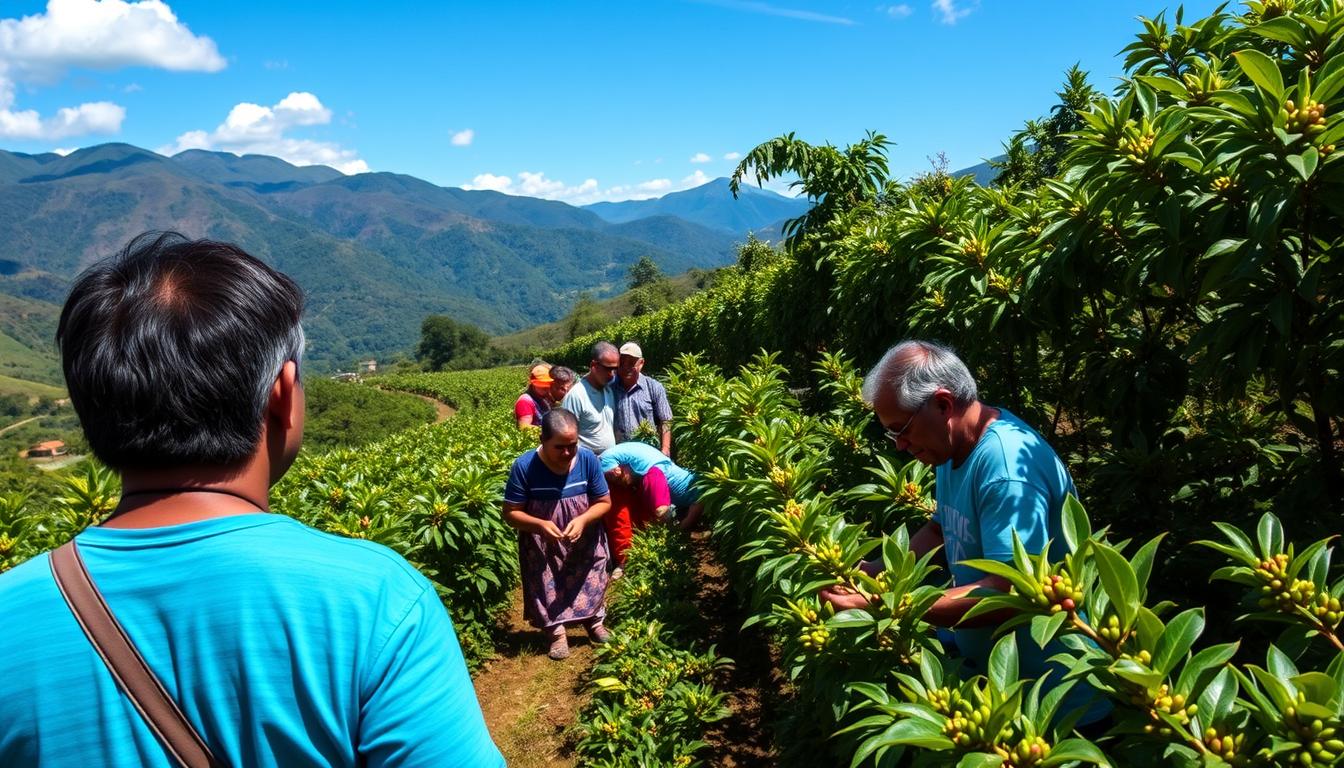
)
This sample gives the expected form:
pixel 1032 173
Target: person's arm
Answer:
pixel 417 703
pixel 662 415
pixel 956 601
pixel 523 411
pixel 515 498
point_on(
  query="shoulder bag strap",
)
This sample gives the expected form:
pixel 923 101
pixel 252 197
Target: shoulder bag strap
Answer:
pixel 126 664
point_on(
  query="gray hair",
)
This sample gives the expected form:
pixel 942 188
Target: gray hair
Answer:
pixel 563 375
pixel 913 370
pixel 601 348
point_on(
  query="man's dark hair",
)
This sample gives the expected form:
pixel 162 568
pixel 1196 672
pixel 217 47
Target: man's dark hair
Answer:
pixel 557 420
pixel 601 348
pixel 170 349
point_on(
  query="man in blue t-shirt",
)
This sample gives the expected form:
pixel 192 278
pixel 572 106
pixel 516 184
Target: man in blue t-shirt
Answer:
pixel 281 645
pixel 994 475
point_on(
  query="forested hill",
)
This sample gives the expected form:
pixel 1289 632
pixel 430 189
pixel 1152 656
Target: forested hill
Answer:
pixel 376 251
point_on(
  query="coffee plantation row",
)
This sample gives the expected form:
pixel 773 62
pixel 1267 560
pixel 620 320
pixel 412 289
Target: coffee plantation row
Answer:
pixel 1158 286
pixel 797 499
pixel 432 493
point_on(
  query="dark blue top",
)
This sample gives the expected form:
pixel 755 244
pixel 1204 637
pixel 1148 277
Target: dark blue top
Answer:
pixel 531 480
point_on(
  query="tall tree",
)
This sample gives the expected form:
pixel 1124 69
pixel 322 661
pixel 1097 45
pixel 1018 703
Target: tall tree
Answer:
pixel 585 317
pixel 447 342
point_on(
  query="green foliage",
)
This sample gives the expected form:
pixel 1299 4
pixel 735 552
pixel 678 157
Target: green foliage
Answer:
pixel 584 318
pixel 653 686
pixel 877 683
pixel 348 415
pixel 1167 307
pixel 1037 151
pixel 448 343
pixel 649 287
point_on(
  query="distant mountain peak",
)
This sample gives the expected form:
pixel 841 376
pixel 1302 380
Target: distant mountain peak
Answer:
pixel 710 205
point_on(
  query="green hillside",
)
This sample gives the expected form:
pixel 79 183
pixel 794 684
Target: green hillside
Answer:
pixel 13 386
pixel 551 335
pixel 376 253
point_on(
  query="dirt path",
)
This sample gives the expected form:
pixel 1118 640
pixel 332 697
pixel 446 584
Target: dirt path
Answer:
pixel 529 700
pixel 18 424
pixel 754 686
pixel 442 409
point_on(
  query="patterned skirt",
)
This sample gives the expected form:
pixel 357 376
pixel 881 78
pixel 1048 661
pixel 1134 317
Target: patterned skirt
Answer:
pixel 563 582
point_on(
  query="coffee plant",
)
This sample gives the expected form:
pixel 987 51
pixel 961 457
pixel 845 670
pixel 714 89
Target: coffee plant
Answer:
pixel 788 517
pixel 1162 293
pixel 653 682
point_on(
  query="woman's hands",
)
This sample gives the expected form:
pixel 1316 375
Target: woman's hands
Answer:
pixel 550 530
pixel 574 529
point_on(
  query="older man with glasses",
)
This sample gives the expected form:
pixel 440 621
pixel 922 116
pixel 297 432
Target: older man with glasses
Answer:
pixel 995 475
pixel 593 399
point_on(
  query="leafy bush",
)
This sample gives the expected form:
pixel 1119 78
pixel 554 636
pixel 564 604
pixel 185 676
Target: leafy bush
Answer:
pixel 877 685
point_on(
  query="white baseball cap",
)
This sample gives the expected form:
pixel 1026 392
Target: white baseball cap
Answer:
pixel 632 349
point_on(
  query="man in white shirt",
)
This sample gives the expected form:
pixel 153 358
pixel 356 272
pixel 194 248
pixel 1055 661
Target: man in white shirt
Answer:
pixel 593 399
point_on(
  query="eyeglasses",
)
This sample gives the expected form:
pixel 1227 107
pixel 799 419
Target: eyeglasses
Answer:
pixel 896 435
pixel 609 368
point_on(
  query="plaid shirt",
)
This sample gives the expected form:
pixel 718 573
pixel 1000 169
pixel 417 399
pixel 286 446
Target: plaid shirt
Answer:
pixel 646 401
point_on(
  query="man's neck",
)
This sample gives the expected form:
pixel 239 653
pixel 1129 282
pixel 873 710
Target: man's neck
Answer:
pixel 970 428
pixel 157 498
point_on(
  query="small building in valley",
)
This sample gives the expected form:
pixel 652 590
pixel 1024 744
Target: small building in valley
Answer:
pixel 49 449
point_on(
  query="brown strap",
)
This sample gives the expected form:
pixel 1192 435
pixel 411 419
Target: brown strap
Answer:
pixel 134 676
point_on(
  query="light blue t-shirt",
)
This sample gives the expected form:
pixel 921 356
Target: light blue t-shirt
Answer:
pixel 1011 481
pixel 283 645
pixel 596 411
pixel 641 457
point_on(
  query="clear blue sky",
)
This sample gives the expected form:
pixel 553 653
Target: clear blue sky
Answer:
pixel 573 101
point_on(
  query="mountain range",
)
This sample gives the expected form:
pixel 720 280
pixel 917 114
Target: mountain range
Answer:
pixel 375 252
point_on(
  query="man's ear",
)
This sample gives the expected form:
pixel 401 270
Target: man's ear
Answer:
pixel 944 402
pixel 284 395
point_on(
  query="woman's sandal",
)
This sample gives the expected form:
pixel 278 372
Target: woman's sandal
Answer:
pixel 559 650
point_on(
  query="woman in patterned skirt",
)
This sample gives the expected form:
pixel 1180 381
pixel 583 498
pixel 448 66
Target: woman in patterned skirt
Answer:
pixel 554 497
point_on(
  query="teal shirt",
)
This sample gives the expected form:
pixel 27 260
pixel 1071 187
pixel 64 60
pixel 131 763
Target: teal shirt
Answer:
pixel 284 646
pixel 1012 481
pixel 641 457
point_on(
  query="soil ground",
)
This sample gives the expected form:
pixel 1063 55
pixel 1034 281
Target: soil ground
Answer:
pixel 529 700
pixel 743 740
pixel 442 410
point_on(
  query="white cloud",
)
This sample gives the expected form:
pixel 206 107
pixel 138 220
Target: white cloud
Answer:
pixel 732 156
pixel 490 181
pixel 133 88
pixel 700 157
pixel 530 184
pixel 103 35
pixel 254 129
pixel 694 180
pixel 113 34
pixel 63 151
pixel 952 11
pixel 95 117
pixel 899 11
pixel 463 138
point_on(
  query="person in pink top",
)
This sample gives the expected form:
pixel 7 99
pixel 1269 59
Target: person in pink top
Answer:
pixel 536 399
